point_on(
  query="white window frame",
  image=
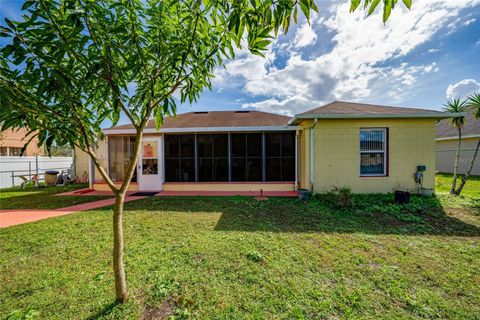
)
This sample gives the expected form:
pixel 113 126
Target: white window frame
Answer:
pixel 384 151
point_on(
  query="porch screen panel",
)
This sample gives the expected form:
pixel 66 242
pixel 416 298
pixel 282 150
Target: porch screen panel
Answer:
pixel 280 156
pixel 246 156
pixel 120 151
pixel 212 152
pixel 180 158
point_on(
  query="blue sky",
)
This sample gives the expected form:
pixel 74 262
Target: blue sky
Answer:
pixel 419 58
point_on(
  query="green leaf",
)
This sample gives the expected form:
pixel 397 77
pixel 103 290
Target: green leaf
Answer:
pixel 387 9
pixel 304 6
pixel 373 6
pixel 10 24
pixel 354 4
pixel 408 3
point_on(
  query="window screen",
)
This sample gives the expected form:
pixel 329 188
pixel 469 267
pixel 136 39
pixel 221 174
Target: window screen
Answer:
pixel 373 146
pixel 180 158
pixel 280 156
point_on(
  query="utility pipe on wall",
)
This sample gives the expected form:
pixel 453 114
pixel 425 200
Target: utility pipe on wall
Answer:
pixel 296 159
pixel 90 172
pixel 312 142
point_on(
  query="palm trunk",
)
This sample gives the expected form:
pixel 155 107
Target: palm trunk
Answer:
pixel 121 291
pixel 455 168
pixel 467 174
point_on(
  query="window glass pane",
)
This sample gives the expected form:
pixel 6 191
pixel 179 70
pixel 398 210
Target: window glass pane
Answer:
pixel 15 151
pixel 273 169
pixel 273 143
pixel 288 144
pixel 204 145
pixel 149 166
pixel 238 145
pixel 220 169
pixel 220 145
pixel 150 149
pixel 3 151
pixel 254 144
pixel 372 139
pixel 172 170
pixel 254 169
pixel 238 169
pixel 288 169
pixel 205 169
pixel 187 170
pixel 187 146
pixel 372 163
pixel 172 144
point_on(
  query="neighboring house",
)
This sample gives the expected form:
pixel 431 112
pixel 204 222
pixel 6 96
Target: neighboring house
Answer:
pixel 369 148
pixel 13 140
pixel 447 140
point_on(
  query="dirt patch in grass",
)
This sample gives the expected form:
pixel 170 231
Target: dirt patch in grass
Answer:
pixel 160 312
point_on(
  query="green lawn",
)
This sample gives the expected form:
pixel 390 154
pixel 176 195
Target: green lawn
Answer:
pixel 444 183
pixel 42 197
pixel 238 258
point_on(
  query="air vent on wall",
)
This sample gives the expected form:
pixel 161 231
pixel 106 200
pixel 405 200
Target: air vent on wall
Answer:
pixel 242 111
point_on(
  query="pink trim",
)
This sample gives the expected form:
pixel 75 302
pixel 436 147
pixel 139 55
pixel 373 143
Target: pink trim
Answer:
pixel 227 183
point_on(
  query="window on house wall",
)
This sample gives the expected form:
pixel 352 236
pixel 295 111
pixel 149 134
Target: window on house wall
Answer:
pixel 3 151
pixel 246 157
pixel 120 153
pixel 180 158
pixel 15 151
pixel 373 152
pixel 280 156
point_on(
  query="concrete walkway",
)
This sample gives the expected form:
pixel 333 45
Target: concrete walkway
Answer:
pixel 14 217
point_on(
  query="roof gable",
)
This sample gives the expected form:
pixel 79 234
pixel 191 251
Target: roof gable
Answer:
pixel 472 126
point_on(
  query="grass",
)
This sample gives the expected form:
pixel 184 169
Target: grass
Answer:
pixel 42 197
pixel 238 258
pixel 444 183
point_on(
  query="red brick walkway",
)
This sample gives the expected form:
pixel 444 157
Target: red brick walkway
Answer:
pixel 14 217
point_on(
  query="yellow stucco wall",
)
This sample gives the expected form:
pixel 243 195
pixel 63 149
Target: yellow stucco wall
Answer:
pixel 229 186
pixel 105 187
pixel 337 154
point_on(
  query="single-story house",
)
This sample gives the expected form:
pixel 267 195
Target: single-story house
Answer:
pixel 369 148
pixel 447 140
pixel 13 140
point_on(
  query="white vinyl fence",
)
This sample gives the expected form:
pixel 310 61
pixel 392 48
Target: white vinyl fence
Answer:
pixel 15 166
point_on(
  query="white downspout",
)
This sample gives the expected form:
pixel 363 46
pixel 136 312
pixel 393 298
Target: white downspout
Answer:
pixel 312 142
pixel 296 160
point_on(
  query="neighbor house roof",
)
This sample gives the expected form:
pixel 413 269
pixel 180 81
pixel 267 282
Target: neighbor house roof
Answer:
pixel 350 110
pixel 214 121
pixel 471 128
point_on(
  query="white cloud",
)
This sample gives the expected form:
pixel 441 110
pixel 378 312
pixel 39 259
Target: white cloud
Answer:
pixel 478 43
pixel 469 22
pixel 305 36
pixel 354 69
pixel 462 89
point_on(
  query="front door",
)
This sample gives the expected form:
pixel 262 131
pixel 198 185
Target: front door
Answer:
pixel 149 164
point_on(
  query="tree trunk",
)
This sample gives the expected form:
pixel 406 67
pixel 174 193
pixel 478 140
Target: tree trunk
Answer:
pixel 121 291
pixel 455 168
pixel 467 174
